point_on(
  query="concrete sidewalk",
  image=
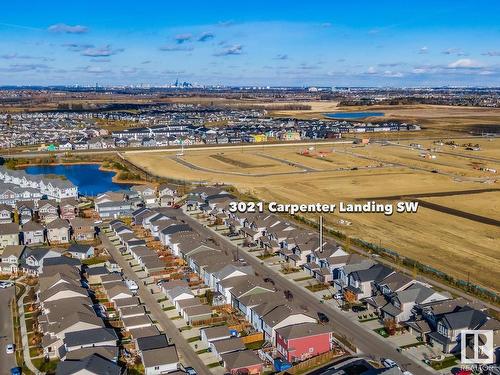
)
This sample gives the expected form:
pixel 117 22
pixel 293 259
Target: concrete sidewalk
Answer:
pixel 24 331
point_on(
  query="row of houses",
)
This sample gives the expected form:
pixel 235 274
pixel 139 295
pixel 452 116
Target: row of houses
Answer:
pixel 18 185
pixel 123 203
pixel 234 283
pixel 393 295
pixel 157 355
pixel 71 329
pixel 45 211
pixel 16 259
pixel 58 231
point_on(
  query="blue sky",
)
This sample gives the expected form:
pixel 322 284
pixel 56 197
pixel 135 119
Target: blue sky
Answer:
pixel 328 43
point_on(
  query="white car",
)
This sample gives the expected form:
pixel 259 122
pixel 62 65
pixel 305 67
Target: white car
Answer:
pixel 389 363
pixel 5 284
pixel 9 349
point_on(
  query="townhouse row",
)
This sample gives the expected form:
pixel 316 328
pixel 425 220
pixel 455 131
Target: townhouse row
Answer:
pixel 58 231
pixel 18 185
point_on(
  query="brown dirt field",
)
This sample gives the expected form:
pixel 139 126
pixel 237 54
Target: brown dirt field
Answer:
pixel 484 204
pixel 442 240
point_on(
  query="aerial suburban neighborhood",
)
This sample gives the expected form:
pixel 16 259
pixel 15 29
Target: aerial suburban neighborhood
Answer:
pixel 250 188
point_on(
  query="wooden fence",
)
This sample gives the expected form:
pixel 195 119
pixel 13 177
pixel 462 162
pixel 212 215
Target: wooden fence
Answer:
pixel 313 362
pixel 254 337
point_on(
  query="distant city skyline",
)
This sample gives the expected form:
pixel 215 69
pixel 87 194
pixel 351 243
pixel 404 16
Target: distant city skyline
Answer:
pixel 279 43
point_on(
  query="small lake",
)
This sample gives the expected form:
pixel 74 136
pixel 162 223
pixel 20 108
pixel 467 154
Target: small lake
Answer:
pixel 353 115
pixel 89 179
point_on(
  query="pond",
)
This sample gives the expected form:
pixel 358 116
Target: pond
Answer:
pixel 89 179
pixel 353 115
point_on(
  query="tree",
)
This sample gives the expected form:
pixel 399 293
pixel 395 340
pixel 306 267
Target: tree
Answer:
pixel 390 326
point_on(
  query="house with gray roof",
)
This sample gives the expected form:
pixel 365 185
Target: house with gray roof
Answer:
pixel 214 334
pixel 89 338
pixel 160 361
pixel 33 233
pixel 224 346
pixel 94 364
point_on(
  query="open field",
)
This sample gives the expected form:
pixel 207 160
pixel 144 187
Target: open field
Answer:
pixel 444 240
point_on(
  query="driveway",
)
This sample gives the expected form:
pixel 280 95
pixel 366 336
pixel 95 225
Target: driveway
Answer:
pixel 7 361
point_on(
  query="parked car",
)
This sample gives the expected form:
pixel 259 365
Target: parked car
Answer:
pixel 9 348
pixel 190 371
pixel 338 296
pixel 358 309
pixel 5 284
pixel 389 363
pixel 15 371
pixel 323 318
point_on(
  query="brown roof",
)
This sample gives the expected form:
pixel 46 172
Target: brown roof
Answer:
pixel 58 223
pixel 15 250
pixel 31 226
pixel 241 359
pixel 197 310
pixel 9 228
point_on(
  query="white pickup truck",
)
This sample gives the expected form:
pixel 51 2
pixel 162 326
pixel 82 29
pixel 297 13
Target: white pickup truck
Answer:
pixel 132 285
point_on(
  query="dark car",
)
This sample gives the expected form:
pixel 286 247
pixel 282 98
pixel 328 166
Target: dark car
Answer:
pixel 323 318
pixel 357 309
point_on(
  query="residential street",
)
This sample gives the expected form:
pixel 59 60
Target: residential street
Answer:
pixel 186 354
pixel 369 343
pixel 7 361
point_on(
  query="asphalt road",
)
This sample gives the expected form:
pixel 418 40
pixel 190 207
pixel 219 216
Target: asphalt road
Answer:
pixel 7 361
pixel 367 342
pixel 187 355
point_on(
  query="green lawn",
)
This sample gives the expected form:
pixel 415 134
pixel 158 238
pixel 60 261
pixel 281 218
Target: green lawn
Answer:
pixel 303 278
pixel 254 345
pixel 212 365
pixel 317 287
pixel 42 365
pixel 382 332
pixel 445 363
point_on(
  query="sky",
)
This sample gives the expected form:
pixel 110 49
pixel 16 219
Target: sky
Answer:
pixel 257 43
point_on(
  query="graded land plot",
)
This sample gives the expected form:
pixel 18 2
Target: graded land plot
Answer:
pixel 447 242
pixel 459 165
pixel 245 162
pixel 326 157
pixel 489 147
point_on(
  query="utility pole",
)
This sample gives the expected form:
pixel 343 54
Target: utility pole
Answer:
pixel 321 233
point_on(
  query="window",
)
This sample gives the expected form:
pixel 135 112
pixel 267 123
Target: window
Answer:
pixel 311 350
pixel 442 329
pixel 157 367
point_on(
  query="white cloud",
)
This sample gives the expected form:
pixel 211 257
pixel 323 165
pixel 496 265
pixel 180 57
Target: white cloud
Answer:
pixel 423 50
pixel 68 29
pixel 465 63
